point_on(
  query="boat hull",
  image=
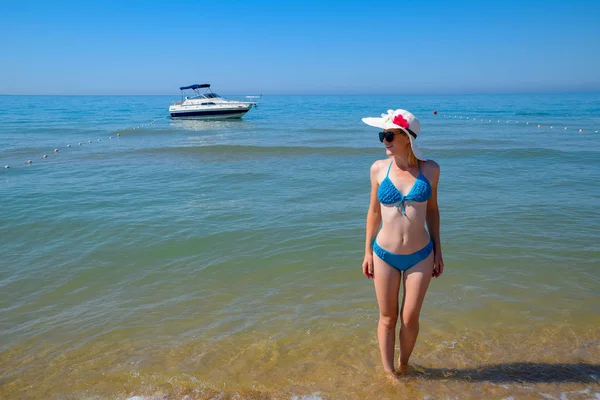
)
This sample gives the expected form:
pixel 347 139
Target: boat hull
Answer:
pixel 209 114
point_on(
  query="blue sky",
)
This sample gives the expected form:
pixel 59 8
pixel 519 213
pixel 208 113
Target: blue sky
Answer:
pixel 308 47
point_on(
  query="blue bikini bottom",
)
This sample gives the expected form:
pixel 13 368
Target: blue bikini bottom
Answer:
pixel 402 262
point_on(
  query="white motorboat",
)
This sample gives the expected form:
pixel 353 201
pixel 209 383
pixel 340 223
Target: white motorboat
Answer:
pixel 207 105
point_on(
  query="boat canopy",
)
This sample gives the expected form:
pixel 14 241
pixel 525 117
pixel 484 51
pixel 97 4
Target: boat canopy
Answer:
pixel 196 86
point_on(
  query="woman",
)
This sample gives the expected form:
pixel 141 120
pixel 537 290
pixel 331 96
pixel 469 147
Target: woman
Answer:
pixel 403 201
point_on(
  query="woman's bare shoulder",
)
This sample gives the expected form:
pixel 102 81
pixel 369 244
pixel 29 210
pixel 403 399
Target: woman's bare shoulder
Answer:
pixel 431 170
pixel 378 165
pixel 431 166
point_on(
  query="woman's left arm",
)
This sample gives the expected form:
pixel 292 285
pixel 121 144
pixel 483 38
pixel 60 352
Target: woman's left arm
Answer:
pixel 433 219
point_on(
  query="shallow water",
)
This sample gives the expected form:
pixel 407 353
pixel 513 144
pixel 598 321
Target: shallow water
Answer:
pixel 222 259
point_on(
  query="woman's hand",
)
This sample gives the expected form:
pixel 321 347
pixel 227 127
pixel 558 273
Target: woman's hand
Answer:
pixel 367 266
pixel 438 264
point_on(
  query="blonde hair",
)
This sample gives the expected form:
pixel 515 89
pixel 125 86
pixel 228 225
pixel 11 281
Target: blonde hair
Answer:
pixel 412 159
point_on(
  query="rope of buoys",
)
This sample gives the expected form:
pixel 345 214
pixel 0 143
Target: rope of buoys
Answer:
pixel 581 130
pixel 56 150
pixel 143 125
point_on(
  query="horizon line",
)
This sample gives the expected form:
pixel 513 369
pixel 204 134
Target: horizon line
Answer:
pixel 591 91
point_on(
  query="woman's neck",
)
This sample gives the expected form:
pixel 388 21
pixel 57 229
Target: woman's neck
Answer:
pixel 402 162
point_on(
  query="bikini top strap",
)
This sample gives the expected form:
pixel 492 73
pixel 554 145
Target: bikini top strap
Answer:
pixel 390 167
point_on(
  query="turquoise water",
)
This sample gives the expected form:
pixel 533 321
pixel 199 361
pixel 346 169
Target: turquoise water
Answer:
pixel 222 258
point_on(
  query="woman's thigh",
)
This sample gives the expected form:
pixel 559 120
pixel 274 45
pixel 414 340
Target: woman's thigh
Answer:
pixel 387 285
pixel 416 281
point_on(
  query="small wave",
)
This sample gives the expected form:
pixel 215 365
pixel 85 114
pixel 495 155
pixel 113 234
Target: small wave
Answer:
pixel 154 131
pixel 324 130
pixel 323 140
pixel 218 394
pixel 476 141
pixel 521 153
pixel 533 113
pixel 225 150
pixel 28 152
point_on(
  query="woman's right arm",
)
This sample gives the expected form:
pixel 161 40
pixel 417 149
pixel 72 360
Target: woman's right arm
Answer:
pixel 373 222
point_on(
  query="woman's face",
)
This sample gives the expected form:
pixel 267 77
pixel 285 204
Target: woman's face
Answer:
pixel 396 143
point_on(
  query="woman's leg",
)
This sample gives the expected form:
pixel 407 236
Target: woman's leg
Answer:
pixel 387 285
pixel 416 281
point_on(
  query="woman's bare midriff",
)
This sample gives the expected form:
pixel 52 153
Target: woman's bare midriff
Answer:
pixel 403 234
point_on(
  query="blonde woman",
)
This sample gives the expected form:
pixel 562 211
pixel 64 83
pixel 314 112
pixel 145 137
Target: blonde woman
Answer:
pixel 403 201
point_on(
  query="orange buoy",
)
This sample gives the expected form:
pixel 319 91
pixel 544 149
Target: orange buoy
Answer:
pixel 434 112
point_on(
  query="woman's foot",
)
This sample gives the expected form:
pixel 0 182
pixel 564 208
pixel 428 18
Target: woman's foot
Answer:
pixel 403 369
pixel 392 377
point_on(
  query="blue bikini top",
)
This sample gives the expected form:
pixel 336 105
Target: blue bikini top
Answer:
pixel 388 193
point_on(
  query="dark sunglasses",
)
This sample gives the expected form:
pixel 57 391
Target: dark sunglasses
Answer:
pixel 389 136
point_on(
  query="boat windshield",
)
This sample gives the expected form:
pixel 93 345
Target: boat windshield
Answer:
pixel 207 96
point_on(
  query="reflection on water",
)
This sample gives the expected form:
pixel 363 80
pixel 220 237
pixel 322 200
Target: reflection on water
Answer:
pixel 207 125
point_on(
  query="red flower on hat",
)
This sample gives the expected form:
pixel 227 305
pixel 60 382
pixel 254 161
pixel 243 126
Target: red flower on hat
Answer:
pixel 400 121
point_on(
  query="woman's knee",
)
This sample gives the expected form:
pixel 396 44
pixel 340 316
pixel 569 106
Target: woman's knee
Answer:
pixel 410 320
pixel 388 321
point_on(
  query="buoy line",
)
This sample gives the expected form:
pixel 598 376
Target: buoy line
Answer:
pixel 117 134
pixel 521 122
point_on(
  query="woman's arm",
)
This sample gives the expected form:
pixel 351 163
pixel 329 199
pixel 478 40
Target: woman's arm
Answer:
pixel 433 218
pixel 373 222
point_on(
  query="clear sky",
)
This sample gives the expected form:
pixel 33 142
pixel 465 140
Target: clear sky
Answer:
pixel 299 47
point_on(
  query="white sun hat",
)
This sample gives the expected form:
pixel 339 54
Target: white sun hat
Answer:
pixel 400 119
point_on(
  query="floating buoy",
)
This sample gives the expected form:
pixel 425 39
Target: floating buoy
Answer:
pixel 434 112
pixel 89 141
pixel 99 140
pixel 580 130
pixel 68 145
pixel 539 126
pixel 44 156
pixel 118 134
pixel 28 161
pixel 110 137
pixel 80 143
pixel 56 150
pixel 6 166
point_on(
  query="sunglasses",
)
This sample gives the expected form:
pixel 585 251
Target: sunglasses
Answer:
pixel 389 136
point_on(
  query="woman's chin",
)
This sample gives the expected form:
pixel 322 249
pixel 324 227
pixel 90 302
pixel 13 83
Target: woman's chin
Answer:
pixel 388 152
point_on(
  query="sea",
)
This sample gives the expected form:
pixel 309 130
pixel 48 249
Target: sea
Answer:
pixel 148 258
